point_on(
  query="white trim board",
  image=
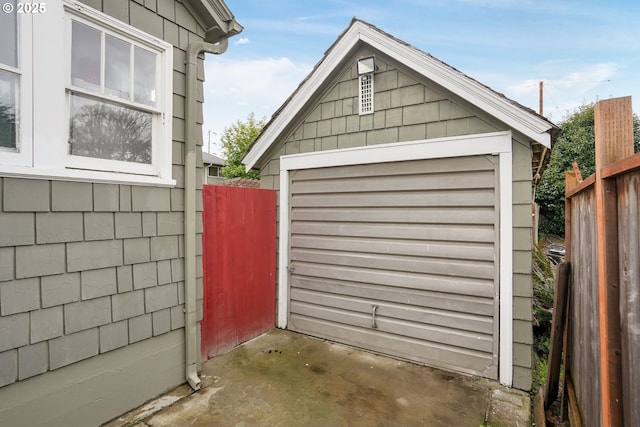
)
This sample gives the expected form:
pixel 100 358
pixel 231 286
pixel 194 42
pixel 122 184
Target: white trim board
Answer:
pixel 519 119
pixel 497 143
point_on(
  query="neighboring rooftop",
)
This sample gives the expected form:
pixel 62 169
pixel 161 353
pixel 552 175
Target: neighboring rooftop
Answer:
pixel 210 159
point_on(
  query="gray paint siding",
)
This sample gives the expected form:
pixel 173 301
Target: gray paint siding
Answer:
pixel 90 268
pixel 408 107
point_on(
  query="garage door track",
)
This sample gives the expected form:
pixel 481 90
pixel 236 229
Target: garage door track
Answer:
pixel 288 379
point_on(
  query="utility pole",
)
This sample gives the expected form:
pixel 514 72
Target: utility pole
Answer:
pixel 535 209
pixel 541 98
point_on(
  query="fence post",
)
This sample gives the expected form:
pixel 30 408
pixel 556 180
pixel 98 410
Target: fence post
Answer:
pixel 570 182
pixel 613 127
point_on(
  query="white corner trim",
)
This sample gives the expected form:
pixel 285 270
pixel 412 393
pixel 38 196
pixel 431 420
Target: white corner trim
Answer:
pixel 499 143
pixel 503 109
pixel 506 269
pixel 283 252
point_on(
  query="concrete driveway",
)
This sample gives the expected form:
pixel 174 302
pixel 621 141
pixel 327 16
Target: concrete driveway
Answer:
pixel 287 379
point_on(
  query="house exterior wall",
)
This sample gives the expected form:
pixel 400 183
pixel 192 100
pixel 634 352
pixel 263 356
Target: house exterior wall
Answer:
pixel 408 107
pixel 92 274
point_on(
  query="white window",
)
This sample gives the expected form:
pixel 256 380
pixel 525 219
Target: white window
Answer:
pixel 215 171
pixel 101 100
pixel 9 81
pixel 15 88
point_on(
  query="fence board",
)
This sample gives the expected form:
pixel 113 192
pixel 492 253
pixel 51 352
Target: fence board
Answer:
pixel 629 247
pixel 584 347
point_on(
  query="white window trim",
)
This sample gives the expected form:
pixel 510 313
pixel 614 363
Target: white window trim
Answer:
pixel 50 80
pixel 496 143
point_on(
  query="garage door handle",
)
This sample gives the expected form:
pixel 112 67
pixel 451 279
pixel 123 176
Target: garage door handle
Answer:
pixel 373 316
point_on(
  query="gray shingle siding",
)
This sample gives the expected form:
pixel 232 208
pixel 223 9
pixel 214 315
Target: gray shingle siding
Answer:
pixel 89 268
pixel 33 360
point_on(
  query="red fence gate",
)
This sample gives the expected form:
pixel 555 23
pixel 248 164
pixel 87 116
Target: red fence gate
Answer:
pixel 239 258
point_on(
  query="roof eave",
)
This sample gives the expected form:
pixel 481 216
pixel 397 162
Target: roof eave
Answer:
pixel 297 101
pixel 216 18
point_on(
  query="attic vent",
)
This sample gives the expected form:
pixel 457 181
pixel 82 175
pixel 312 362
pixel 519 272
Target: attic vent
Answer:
pixel 366 94
pixel 366 68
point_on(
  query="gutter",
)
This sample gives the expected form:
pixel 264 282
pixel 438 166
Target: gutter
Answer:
pixel 190 294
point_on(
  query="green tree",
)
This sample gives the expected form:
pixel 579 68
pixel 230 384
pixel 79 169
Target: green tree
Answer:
pixel 236 141
pixel 576 143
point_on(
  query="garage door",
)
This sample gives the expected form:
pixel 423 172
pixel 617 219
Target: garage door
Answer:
pixel 399 258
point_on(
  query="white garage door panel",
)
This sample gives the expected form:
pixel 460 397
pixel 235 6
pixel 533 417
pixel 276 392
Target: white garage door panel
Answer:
pixel 439 232
pixel 413 241
pixel 471 305
pixel 435 249
pixel 437 181
pixel 445 267
pixel 399 327
pixel 475 198
pixel 423 282
pixel 418 215
pixel 422 351
pixel 408 168
pixel 432 316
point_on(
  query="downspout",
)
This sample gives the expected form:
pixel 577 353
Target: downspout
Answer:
pixel 191 320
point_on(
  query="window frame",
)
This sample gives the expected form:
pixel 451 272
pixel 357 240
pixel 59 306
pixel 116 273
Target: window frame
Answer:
pixel 92 163
pixel 23 153
pixel 217 169
pixel 51 81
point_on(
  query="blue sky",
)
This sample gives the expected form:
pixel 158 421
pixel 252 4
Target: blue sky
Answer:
pixel 583 50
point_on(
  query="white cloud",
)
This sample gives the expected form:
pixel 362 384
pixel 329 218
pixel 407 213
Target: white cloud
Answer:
pixel 234 88
pixel 567 89
pixel 582 80
pixel 242 40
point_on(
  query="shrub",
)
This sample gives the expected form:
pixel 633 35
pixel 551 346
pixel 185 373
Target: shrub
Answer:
pixel 543 289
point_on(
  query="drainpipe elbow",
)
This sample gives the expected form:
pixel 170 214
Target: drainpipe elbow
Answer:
pixel 200 46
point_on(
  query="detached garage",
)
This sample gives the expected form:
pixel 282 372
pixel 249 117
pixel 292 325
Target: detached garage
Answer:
pixel 405 208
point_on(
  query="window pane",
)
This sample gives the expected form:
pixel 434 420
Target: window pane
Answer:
pixel 85 57
pixel 108 131
pixel 144 89
pixel 117 72
pixel 9 44
pixel 8 109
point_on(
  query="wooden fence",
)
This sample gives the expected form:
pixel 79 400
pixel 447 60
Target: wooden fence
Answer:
pixel 603 247
pixel 239 260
